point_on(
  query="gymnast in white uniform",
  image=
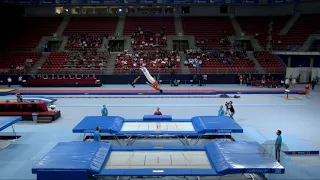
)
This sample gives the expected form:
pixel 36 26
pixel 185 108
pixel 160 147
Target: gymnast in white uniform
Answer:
pixel 151 81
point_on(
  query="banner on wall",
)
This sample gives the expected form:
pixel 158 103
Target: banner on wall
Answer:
pixel 133 1
pixel 304 73
pixel 315 72
pixel 282 1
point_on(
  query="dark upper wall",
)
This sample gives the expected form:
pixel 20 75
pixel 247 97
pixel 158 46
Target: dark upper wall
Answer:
pixel 271 10
pixel 10 17
pixel 40 11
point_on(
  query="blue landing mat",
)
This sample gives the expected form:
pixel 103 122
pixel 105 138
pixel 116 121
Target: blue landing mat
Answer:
pixel 6 121
pixel 295 145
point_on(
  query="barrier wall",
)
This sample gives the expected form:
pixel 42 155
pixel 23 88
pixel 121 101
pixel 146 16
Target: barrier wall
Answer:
pixel 126 79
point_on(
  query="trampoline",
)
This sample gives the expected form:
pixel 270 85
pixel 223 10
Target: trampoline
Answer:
pixel 158 126
pixel 6 121
pixel 46 100
pixel 77 160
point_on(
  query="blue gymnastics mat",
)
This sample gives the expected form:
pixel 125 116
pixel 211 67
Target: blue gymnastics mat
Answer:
pixel 78 160
pixel 7 121
pixel 292 145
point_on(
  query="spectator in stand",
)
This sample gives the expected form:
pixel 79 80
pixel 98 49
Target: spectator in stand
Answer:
pixel 157 112
pixel 84 41
pixel 104 111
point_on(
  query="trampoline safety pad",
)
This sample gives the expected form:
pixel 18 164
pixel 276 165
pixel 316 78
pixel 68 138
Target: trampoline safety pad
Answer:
pixel 158 159
pixel 157 126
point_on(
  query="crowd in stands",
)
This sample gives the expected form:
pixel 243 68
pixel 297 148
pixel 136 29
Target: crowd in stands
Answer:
pixel 18 62
pixel 148 40
pixel 77 60
pixel 206 44
pixel 160 59
pixel 84 41
pixel 196 58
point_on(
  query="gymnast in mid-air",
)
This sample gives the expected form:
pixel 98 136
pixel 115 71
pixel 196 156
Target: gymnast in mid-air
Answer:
pixel 151 81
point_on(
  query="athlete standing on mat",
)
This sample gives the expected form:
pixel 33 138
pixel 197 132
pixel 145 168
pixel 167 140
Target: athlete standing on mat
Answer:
pixel 278 145
pixel 151 81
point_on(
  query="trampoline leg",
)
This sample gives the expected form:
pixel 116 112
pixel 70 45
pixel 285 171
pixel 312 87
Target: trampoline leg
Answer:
pixel 14 132
pixel 182 141
pixel 84 137
pixel 117 139
pixel 198 139
pixel 133 141
pixel 186 139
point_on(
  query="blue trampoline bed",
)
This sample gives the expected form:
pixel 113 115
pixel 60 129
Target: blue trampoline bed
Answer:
pixel 158 126
pixel 7 121
pixel 80 160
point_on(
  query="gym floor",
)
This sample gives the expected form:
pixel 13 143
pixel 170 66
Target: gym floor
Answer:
pixel 263 113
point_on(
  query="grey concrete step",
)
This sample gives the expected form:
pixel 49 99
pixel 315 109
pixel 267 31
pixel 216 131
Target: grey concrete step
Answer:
pixel 256 62
pixel 62 26
pixel 42 59
pixel 289 24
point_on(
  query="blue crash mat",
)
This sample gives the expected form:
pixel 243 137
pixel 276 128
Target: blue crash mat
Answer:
pixel 241 157
pixel 83 156
pixel 201 124
pixel 6 121
pixel 157 117
pixel 108 124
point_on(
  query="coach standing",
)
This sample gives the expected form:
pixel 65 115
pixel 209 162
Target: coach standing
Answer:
pixel 104 111
pixel 221 111
pixel 278 145
pixel 96 134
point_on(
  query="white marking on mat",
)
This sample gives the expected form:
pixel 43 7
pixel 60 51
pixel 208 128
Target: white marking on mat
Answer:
pixel 158 126
pixel 44 151
pixel 158 159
